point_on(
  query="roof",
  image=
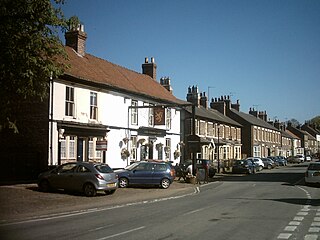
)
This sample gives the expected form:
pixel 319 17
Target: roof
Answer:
pixel 92 69
pixel 213 114
pixel 253 120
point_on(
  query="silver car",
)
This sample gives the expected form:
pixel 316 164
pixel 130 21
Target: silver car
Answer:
pixel 83 177
pixel 312 175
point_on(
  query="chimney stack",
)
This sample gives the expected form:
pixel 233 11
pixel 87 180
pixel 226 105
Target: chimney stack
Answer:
pixel 203 100
pixel 236 106
pixel 253 112
pixel 150 69
pixel 76 38
pixel 166 83
pixel 219 105
pixel 193 95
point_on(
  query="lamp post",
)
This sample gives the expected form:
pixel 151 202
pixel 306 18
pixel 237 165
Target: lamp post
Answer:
pixel 218 150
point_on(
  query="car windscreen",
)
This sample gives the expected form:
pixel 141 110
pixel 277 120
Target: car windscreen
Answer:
pixel 132 166
pixel 103 168
pixel 314 167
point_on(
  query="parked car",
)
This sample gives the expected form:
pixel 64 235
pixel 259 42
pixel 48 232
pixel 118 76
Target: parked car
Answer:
pixel 212 165
pixel 258 161
pixel 268 163
pixel 282 160
pixel 153 172
pixel 83 177
pixel 275 160
pixel 246 166
pixel 312 175
pixel 296 159
pixel 308 158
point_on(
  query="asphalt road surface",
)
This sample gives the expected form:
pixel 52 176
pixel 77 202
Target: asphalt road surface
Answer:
pixel 273 204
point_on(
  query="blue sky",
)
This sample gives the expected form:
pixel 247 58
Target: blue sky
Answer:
pixel 264 53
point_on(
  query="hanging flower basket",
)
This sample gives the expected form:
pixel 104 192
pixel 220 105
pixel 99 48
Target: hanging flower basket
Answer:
pixel 125 140
pixel 176 154
pixel 167 149
pixel 125 153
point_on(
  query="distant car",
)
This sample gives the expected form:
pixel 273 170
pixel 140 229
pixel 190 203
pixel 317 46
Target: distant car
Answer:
pixel 282 160
pixel 296 159
pixel 308 158
pixel 268 163
pixel 312 175
pixel 152 172
pixel 83 177
pixel 244 166
pixel 187 165
pixel 275 160
pixel 258 161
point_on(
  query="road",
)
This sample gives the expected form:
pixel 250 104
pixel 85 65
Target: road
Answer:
pixel 273 204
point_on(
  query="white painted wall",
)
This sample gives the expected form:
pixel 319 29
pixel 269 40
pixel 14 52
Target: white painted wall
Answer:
pixel 112 112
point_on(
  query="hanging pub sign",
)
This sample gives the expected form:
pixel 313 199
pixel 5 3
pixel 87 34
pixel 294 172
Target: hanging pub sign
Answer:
pixel 159 116
pixel 102 145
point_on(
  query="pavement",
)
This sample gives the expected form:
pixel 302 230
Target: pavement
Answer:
pixel 24 201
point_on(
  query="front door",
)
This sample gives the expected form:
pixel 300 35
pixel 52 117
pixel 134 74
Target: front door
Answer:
pixel 80 150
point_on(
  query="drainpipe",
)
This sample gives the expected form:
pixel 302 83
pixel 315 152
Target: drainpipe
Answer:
pixel 51 119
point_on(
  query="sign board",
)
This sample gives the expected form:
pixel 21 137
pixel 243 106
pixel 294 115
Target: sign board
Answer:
pixel 159 116
pixel 102 145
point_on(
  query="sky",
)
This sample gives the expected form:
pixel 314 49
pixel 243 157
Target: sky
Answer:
pixel 264 53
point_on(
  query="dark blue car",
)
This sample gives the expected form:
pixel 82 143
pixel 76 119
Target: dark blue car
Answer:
pixel 246 166
pixel 146 173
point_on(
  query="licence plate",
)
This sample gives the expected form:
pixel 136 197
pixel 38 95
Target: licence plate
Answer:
pixel 111 185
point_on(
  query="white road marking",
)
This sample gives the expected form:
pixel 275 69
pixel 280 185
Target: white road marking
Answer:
pixel 317 219
pixel 302 213
pixel 298 218
pixel 122 233
pixel 284 235
pixel 314 229
pixel 290 228
pixel 294 223
pixel 315 224
pixel 310 237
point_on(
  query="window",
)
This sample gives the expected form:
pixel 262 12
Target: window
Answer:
pixel 133 153
pixel 134 113
pixel 63 154
pixel 168 118
pixel 72 147
pixel 69 109
pixel 167 148
pixel 93 106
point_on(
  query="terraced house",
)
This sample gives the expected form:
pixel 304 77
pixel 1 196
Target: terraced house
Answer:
pixel 258 137
pixel 215 137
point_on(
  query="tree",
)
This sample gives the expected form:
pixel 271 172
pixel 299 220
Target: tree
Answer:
pixel 30 47
pixel 316 122
pixel 294 122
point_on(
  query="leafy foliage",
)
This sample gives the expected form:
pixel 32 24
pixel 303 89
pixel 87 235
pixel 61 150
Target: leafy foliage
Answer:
pixel 316 122
pixel 30 47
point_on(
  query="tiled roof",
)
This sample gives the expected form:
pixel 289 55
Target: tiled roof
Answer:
pixel 96 70
pixel 213 115
pixel 253 120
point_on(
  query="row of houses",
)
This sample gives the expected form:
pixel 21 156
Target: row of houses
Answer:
pixel 100 111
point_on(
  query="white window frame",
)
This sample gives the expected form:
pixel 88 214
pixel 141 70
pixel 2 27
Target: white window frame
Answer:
pixel 94 105
pixel 69 102
pixel 134 112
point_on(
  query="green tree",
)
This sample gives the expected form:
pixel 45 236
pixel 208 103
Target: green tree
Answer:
pixel 316 122
pixel 30 47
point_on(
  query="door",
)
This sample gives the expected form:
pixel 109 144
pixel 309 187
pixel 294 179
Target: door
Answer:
pixel 141 174
pixel 80 150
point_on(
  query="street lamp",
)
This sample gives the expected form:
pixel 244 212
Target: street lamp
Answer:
pixel 218 150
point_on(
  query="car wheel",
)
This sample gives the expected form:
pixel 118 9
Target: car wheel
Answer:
pixel 123 182
pixel 254 171
pixel 269 167
pixel 110 192
pixel 44 186
pixel 89 190
pixel 165 183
